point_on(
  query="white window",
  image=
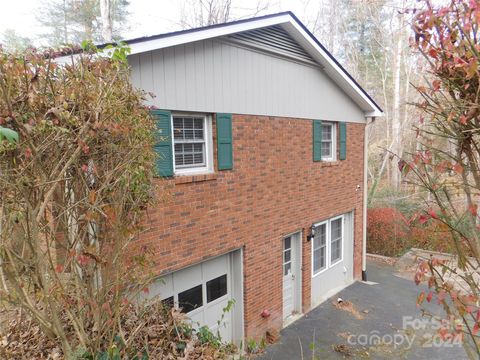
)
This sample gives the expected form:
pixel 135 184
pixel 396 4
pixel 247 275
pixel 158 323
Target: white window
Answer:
pixel 328 141
pixel 191 144
pixel 336 236
pixel 327 245
pixel 320 248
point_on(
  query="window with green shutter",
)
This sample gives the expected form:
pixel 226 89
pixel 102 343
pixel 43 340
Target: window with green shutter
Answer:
pixel 324 140
pixel 224 141
pixel 343 140
pixel 163 142
pixel 317 140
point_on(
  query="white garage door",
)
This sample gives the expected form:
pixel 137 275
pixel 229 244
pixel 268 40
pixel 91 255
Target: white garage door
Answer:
pixel 202 291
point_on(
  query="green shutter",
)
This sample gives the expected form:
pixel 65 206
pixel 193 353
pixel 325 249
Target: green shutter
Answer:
pixel 224 142
pixel 317 140
pixel 343 140
pixel 163 142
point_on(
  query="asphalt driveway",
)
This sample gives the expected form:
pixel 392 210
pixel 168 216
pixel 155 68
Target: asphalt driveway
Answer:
pixel 384 323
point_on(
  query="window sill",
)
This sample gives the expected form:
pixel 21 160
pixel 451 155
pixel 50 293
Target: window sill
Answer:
pixel 330 163
pixel 186 179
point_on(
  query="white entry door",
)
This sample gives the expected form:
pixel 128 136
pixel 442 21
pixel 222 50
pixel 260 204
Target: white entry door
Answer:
pixel 289 267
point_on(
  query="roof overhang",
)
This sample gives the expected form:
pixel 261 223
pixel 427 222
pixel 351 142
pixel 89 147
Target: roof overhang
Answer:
pixel 292 25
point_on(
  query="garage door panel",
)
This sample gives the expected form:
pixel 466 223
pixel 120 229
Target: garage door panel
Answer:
pixel 224 330
pixel 215 267
pixel 162 287
pixel 213 312
pixel 187 278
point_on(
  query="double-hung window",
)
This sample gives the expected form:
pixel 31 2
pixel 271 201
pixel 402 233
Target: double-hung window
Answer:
pixel 327 245
pixel 191 143
pixel 336 236
pixel 328 141
pixel 320 248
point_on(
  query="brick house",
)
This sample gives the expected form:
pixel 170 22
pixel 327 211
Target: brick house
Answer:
pixel 262 158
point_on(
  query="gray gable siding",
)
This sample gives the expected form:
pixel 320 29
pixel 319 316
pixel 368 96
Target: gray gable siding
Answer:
pixel 215 76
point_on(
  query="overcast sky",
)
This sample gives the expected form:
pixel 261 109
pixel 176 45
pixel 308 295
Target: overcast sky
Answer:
pixel 147 17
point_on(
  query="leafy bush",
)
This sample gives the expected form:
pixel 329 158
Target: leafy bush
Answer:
pixel 387 231
pixel 391 233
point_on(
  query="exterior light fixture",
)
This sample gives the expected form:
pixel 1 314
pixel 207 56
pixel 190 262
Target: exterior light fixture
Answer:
pixel 312 233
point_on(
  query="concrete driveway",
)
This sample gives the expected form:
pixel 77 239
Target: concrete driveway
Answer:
pixel 384 323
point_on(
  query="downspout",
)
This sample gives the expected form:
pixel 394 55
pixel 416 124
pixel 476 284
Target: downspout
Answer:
pixel 365 193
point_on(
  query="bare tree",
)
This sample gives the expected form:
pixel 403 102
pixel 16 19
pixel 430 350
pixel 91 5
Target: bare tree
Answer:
pixel 196 13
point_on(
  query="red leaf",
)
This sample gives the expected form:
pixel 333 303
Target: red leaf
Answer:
pixel 146 290
pixel 422 219
pixel 421 298
pixel 85 168
pixel 475 329
pixel 83 260
pixel 473 209
pixel 418 278
pixel 433 214
pixel 463 119
pixel 458 168
pixel 441 296
pixel 436 85
pixel 59 268
pixel 433 53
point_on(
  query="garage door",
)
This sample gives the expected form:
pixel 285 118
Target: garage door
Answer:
pixel 202 291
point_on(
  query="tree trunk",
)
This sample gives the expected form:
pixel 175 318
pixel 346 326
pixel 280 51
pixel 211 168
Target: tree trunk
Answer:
pixel 396 118
pixel 107 21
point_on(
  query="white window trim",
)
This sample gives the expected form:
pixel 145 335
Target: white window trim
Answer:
pixel 328 263
pixel 342 241
pixel 325 268
pixel 208 168
pixel 333 156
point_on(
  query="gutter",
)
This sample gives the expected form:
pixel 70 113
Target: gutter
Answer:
pixel 365 194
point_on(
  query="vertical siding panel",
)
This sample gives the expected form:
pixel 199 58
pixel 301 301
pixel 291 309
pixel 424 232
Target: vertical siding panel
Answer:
pixel 242 79
pixel 234 64
pixel 284 90
pixel 146 73
pixel 227 71
pixel 209 77
pixel 217 77
pixel 270 85
pixel 190 80
pixel 170 83
pixel 262 67
pixel 255 88
pixel 158 78
pixel 180 77
pixel 134 62
pixel 200 81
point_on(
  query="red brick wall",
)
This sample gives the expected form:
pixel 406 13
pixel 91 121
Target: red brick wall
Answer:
pixel 275 189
